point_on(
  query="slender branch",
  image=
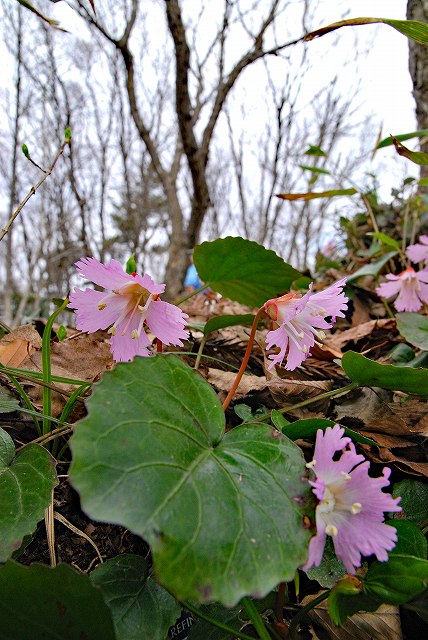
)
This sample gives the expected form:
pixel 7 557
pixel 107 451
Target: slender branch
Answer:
pixel 33 190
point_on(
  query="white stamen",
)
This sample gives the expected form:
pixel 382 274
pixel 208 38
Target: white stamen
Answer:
pixel 101 306
pixel 311 464
pixel 112 330
pixel 345 475
pixel 356 508
pixel 331 530
pixel 134 334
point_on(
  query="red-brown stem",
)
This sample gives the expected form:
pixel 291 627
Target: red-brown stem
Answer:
pixel 158 346
pixel 244 363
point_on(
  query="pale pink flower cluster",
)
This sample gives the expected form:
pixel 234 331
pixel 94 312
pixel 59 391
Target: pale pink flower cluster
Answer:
pixel 351 504
pixel 411 287
pixel 300 322
pixel 132 304
pixel 418 252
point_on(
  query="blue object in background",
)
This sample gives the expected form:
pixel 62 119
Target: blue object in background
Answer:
pixel 192 279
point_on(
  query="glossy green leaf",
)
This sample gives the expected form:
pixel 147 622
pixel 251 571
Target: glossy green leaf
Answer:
pixel 243 270
pixel 346 598
pixel 140 608
pixel 387 376
pixel 402 137
pixel 308 427
pixel 411 541
pixel 414 328
pixel 220 510
pixel 54 604
pixel 220 322
pixel 373 268
pixel 385 239
pixel 418 157
pixel 417 31
pixel 414 499
pixel 399 580
pixel 26 483
pixel 311 195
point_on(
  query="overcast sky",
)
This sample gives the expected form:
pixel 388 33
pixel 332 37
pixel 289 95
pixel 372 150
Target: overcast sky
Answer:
pixel 385 92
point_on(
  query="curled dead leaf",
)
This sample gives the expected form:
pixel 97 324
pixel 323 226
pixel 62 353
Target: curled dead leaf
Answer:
pixel 377 625
pixel 223 380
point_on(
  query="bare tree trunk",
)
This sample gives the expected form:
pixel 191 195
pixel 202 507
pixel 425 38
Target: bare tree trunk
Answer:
pixel 12 195
pixel 418 67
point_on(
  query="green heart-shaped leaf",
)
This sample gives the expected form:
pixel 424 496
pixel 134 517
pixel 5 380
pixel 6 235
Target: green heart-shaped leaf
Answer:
pixel 220 511
pixel 51 603
pixel 140 608
pixel 26 483
pixel 243 270
pixel 387 376
pixel 397 581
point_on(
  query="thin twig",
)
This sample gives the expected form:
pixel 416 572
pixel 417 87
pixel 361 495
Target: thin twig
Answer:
pixel 33 190
pixel 77 531
pixel 50 531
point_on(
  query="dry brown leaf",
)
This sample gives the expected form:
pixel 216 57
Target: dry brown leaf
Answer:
pixel 84 357
pixel 17 345
pixel 373 410
pixel 340 339
pixel 223 380
pixel 13 354
pixel 417 467
pixel 325 352
pixel 414 412
pixel 382 624
pixel 360 314
pixel 26 332
pixel 293 391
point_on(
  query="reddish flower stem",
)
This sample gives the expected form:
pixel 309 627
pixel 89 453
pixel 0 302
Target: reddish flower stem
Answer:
pixel 245 359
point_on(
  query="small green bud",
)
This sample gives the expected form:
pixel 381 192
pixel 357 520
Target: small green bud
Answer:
pixel 131 265
pixel 61 333
pixel 25 151
pixel 67 133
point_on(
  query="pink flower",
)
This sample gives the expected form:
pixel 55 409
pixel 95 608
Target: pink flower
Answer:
pixel 351 503
pixel 301 319
pixel 411 286
pixel 133 303
pixel 418 252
